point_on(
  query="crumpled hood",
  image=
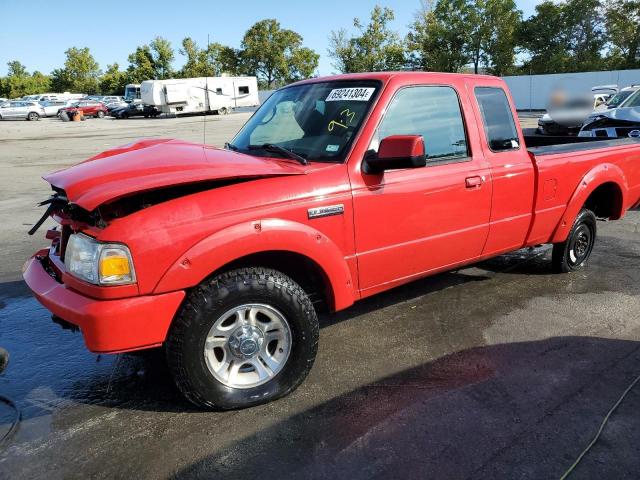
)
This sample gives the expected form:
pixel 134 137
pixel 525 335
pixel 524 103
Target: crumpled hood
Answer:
pixel 157 163
pixel 629 114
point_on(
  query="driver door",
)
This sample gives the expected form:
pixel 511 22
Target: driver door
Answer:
pixel 414 221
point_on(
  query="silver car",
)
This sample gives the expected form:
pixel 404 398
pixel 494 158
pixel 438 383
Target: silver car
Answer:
pixel 21 109
pixel 52 107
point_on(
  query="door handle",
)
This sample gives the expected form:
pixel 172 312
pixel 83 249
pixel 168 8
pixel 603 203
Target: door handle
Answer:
pixel 473 182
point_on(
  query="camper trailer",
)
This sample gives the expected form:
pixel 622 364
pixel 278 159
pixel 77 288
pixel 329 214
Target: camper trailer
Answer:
pixel 187 95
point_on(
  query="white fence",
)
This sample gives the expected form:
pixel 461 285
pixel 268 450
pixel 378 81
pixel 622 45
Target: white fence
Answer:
pixel 532 92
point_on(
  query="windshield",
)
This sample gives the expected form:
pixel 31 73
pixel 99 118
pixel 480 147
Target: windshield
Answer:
pixel 317 121
pixel 618 98
pixel 632 101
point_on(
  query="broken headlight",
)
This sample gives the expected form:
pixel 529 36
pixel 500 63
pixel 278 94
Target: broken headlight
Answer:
pixel 98 263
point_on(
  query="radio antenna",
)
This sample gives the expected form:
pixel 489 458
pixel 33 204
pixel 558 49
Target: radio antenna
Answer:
pixel 207 105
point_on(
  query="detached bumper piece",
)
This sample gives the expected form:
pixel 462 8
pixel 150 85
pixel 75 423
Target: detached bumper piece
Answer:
pixel 108 326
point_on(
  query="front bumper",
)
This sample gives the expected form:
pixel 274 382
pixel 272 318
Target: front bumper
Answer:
pixel 108 326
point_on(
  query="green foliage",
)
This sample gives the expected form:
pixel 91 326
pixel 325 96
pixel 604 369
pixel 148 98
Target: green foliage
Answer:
pixel 162 55
pixel 376 48
pixel 113 81
pixel 451 34
pixel 275 55
pixel 19 82
pixel 141 65
pixel 544 37
pixel 564 37
pixel 80 73
pixel 16 69
pixel 622 21
pixel 215 60
pixel 439 37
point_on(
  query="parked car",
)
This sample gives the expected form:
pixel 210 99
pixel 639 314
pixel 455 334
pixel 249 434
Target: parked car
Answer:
pixel 623 121
pixel 568 118
pixel 134 110
pixel 336 189
pixel 619 98
pixel 89 108
pixel 111 98
pixel 21 109
pixel 115 105
pixel 53 107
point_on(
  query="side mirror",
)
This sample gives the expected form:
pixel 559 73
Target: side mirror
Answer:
pixel 396 152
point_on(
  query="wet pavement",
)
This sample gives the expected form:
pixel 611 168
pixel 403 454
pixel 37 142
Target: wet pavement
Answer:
pixel 500 370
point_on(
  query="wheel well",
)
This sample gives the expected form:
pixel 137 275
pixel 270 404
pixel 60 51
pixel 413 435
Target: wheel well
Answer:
pixel 606 201
pixel 307 273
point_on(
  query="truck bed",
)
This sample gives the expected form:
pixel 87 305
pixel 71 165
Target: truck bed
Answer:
pixel 541 145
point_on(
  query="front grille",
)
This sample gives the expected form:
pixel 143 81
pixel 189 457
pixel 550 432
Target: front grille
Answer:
pixel 624 131
pixel 48 267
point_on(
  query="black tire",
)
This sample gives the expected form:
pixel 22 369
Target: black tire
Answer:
pixel 100 114
pixel 207 303
pixel 573 253
pixel 33 116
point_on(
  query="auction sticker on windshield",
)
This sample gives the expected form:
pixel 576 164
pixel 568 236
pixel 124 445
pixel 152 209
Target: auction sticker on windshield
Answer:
pixel 353 93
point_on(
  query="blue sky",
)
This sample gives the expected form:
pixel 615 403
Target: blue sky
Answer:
pixel 37 32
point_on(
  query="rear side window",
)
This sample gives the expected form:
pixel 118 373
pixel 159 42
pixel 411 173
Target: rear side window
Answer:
pixel 497 119
pixel 430 111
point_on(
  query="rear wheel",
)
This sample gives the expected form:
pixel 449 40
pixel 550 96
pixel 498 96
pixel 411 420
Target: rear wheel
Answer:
pixel 574 252
pixel 245 337
pixel 100 114
pixel 33 116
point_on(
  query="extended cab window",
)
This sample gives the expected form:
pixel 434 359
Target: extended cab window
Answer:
pixel 497 119
pixel 430 111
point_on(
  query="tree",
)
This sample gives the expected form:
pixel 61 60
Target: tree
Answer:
pixel 162 56
pixel 587 35
pixel 564 37
pixel 113 81
pixel 19 82
pixel 544 37
pixel 79 74
pixel 212 61
pixel 16 69
pixel 498 20
pixel 376 48
pixel 274 54
pixel 439 36
pixel 141 65
pixel 622 20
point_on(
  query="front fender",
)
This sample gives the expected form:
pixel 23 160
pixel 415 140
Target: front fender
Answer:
pixel 248 238
pixel 597 176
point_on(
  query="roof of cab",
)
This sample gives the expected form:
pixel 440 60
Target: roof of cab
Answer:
pixel 386 76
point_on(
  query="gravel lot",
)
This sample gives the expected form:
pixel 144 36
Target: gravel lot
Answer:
pixel 500 370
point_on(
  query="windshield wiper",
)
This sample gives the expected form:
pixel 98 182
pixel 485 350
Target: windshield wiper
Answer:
pixel 231 146
pixel 273 148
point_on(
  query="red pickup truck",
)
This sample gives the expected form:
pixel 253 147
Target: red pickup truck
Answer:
pixel 336 189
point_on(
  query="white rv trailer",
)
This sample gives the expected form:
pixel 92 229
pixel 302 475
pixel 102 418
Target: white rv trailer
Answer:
pixel 187 95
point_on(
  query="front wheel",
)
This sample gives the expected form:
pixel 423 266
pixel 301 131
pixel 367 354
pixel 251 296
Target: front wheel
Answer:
pixel 33 116
pixel 100 114
pixel 573 253
pixel 243 338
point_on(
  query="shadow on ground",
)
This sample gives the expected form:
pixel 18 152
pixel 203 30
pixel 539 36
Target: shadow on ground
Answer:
pixel 522 410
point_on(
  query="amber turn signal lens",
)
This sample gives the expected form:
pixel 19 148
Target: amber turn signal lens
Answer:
pixel 115 265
